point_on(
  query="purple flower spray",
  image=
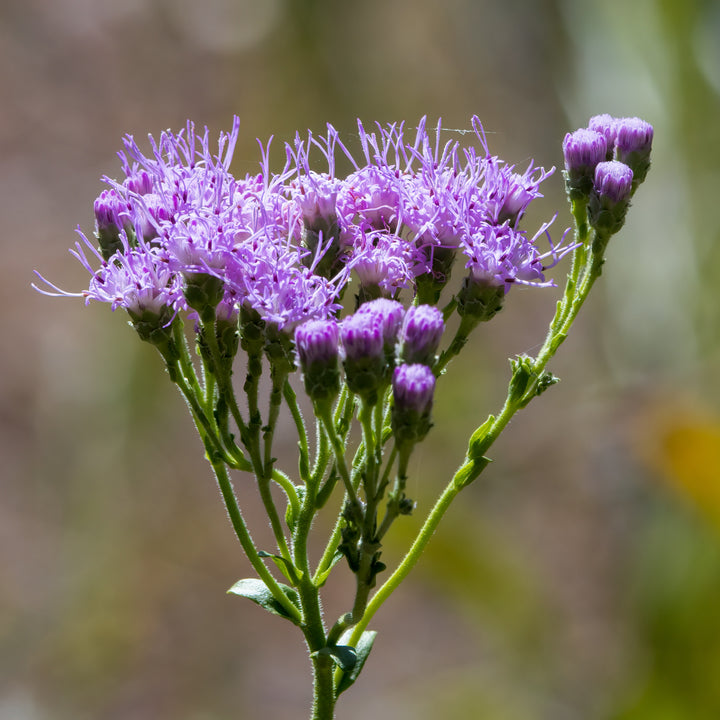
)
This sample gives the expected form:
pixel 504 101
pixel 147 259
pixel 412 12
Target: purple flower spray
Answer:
pixel 347 279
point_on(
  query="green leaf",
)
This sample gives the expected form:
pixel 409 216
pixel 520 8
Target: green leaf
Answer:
pixel 292 510
pixel 475 444
pixel 322 578
pixel 343 656
pixel 470 471
pixel 284 565
pixel 256 590
pixel 362 650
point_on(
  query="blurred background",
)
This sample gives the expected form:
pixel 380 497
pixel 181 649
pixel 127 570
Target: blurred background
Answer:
pixel 579 578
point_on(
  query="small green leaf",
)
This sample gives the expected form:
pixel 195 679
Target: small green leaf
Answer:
pixel 256 590
pixel 343 656
pixel 362 650
pixel 475 444
pixel 322 578
pixel 284 565
pixel 470 471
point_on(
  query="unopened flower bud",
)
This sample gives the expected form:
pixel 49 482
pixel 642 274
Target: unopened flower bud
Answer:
pixel 413 390
pixel 111 216
pixel 317 343
pixel 389 314
pixel 420 334
pixel 364 361
pixel 634 142
pixel 203 292
pixel 480 299
pixel 583 150
pixel 606 125
pixel 610 197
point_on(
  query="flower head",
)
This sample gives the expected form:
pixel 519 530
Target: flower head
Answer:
pixel 363 354
pixel 633 146
pixel 583 150
pixel 606 125
pixel 420 334
pixel 413 389
pixel 611 196
pixel 317 343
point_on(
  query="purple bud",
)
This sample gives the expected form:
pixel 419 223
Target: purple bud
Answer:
pixel 389 314
pixel 112 213
pixel 583 150
pixel 108 206
pixel 634 142
pixel 362 336
pixel 318 348
pixel 364 361
pixel 613 181
pixel 420 334
pixel 139 182
pixel 317 341
pixel 633 135
pixel 606 125
pixel 610 198
pixel 413 388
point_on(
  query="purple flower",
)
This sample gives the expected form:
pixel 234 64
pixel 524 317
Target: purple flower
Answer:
pixel 369 199
pixel 138 281
pixel 508 193
pixel 501 256
pixel 420 334
pixel 270 278
pixel 385 263
pixel 315 193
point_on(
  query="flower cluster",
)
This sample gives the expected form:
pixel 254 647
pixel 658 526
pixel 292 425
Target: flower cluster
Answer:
pixel 263 263
pixel 379 345
pixel 604 164
pixel 286 244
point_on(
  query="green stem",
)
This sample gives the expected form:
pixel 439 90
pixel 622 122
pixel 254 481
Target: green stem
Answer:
pixel 336 442
pixel 304 459
pixel 323 707
pixel 247 543
pixel 473 466
pixel 265 467
pixel 408 562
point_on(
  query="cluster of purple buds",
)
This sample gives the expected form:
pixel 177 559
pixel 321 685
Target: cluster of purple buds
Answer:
pixel 604 164
pixel 374 343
